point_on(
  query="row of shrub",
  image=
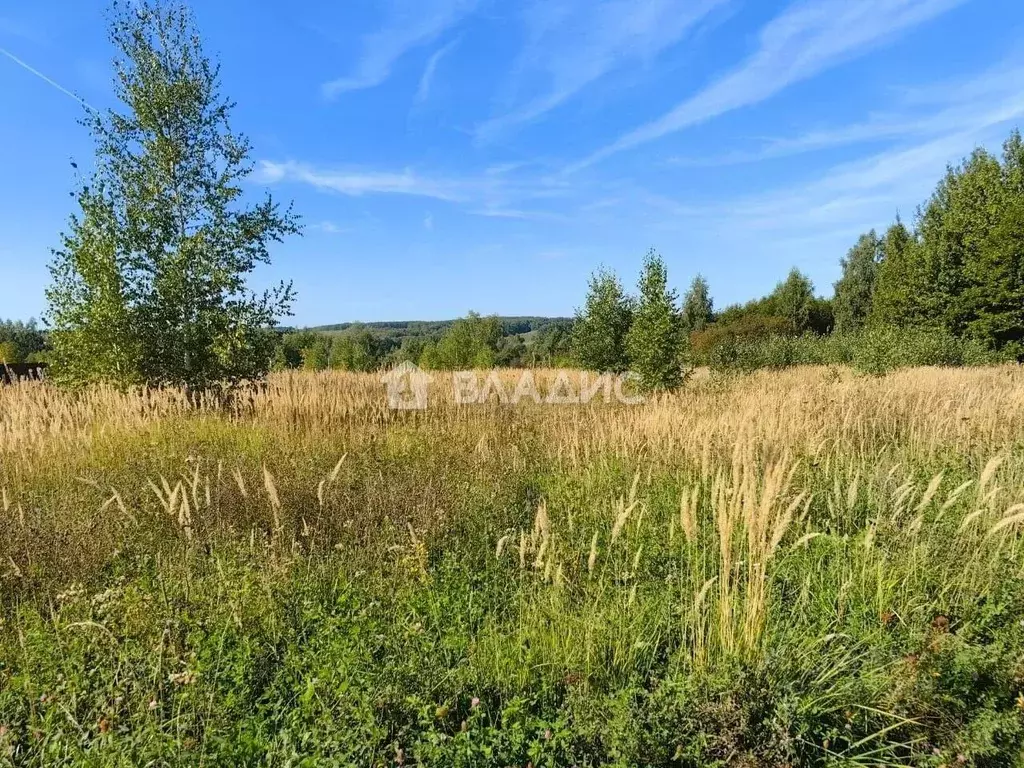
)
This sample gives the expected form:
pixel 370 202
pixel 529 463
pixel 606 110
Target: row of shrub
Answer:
pixel 874 350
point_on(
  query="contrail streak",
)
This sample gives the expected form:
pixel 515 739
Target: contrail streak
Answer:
pixel 46 79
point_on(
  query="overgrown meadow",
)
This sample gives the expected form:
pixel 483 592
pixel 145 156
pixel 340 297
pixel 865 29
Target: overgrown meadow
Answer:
pixel 805 567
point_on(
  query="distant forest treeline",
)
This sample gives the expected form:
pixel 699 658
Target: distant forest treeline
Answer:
pixel 511 341
pixel 472 341
pixel 436 328
pixel 22 342
pixel 947 289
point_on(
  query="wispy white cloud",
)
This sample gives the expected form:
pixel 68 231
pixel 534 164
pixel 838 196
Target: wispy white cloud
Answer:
pixel 806 39
pixel 356 183
pixel 874 129
pixel 410 24
pixel 954 107
pixel 500 211
pixel 330 228
pixel 429 72
pixel 573 43
pixel 428 222
pixel 484 194
pixel 504 168
pixel 913 167
pixel 862 193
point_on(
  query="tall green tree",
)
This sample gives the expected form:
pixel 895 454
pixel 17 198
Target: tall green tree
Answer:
pixel 288 350
pixel 471 342
pixel 355 350
pixel 655 338
pixel 855 289
pixel 996 295
pixel 410 350
pixel 903 286
pixel 551 345
pixel 511 352
pixel 994 300
pixel 599 331
pixel 955 227
pixel 149 284
pixel 793 299
pixel 316 356
pixel 698 309
pixel 9 353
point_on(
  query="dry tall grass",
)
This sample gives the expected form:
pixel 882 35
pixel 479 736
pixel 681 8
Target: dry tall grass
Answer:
pixel 810 409
pixel 755 456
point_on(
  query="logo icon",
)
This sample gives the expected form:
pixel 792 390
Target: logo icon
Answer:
pixel 407 386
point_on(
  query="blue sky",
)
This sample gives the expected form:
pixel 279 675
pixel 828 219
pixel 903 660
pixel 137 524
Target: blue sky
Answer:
pixel 449 155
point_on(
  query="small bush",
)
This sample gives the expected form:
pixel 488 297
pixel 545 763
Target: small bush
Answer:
pixel 876 350
pixel 722 345
pixel 883 349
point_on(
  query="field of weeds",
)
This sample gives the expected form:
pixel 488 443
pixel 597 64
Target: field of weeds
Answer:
pixel 808 567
